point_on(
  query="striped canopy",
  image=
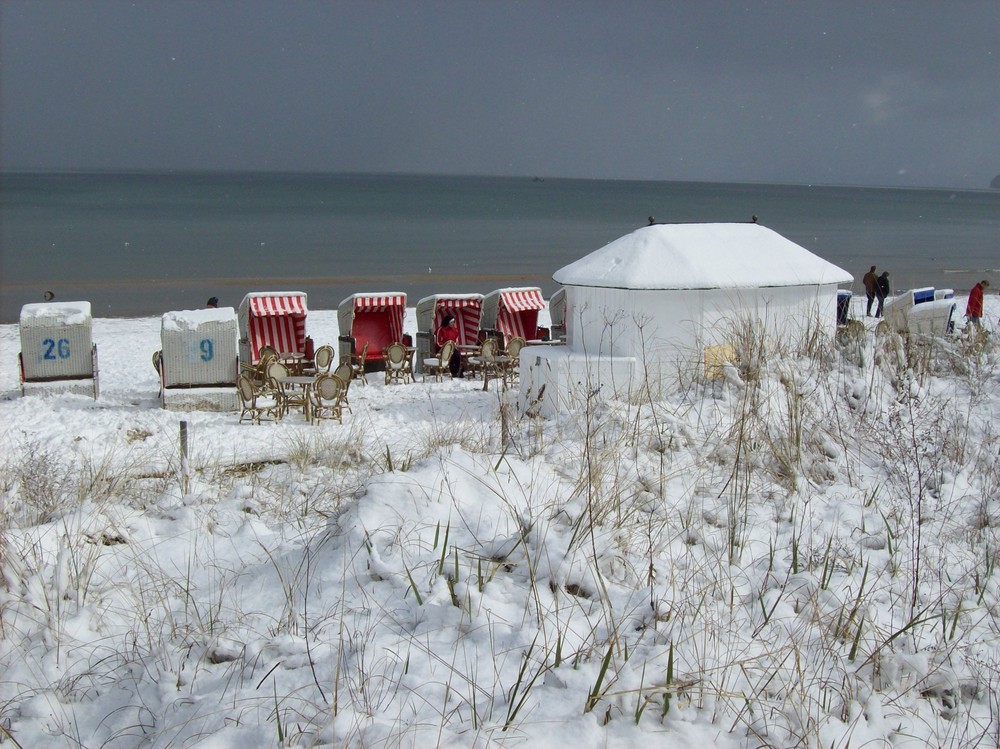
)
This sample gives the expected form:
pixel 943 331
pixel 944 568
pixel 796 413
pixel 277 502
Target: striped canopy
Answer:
pixel 269 306
pixel 516 311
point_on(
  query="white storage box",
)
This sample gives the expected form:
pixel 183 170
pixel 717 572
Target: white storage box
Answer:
pixel 199 348
pixel 57 347
pixel 554 379
pixel 199 354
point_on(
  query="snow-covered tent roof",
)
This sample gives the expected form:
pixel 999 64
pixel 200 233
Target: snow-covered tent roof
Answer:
pixel 701 256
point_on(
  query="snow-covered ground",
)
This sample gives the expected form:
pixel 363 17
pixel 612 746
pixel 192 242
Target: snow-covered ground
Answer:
pixel 805 555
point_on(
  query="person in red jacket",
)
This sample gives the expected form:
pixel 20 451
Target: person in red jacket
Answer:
pixel 449 332
pixel 974 309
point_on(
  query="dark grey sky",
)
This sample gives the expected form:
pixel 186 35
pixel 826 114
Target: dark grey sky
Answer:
pixel 879 92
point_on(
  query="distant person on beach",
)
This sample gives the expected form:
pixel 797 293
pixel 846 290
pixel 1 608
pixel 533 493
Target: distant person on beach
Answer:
pixel 974 309
pixel 882 290
pixel 449 332
pixel 213 302
pixel 871 288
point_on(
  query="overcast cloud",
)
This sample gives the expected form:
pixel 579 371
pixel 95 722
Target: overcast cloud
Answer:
pixel 877 92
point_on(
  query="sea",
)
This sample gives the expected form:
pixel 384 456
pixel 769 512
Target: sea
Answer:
pixel 141 244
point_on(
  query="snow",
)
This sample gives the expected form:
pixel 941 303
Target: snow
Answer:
pixel 701 256
pixel 802 554
pixel 193 319
pixel 53 314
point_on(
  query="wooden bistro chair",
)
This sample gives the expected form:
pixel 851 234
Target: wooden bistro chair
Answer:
pixel 288 396
pixel 345 372
pixel 328 398
pixel 256 403
pixel 323 359
pixel 267 350
pixel 512 359
pixel 258 372
pixel 438 365
pixel 357 362
pixel 398 363
pixel 485 361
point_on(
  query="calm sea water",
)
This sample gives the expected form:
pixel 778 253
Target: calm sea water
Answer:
pixel 143 244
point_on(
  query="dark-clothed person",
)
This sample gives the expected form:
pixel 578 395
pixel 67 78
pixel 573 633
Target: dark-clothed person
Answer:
pixel 882 291
pixel 870 281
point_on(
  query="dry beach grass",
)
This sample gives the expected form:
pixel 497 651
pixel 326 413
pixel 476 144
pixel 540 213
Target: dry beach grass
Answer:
pixel 802 553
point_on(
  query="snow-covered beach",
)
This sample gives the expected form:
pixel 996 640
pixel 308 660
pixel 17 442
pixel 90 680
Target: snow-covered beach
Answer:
pixel 803 555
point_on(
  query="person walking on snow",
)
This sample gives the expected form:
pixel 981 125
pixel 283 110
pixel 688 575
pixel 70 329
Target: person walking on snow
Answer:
pixel 974 309
pixel 882 290
pixel 870 281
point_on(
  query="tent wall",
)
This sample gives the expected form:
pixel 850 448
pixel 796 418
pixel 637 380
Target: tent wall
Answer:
pixel 199 353
pixel 677 324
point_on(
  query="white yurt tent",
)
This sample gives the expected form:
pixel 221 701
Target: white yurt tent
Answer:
pixel 668 294
pixel 57 349
pixel 199 359
pixel 673 289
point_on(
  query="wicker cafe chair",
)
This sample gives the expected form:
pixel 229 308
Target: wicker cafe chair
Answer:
pixel 258 372
pixel 485 361
pixel 512 361
pixel 346 373
pixel 438 365
pixel 398 363
pixel 323 359
pixel 255 402
pixel 288 396
pixel 328 398
pixel 357 362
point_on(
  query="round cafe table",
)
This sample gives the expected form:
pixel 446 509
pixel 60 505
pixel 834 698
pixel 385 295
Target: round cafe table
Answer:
pixel 293 359
pixel 306 383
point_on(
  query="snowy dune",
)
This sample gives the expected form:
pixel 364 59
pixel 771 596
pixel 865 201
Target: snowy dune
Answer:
pixel 804 554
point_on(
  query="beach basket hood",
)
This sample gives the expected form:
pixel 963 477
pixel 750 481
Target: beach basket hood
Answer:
pixel 372 318
pixel 466 308
pixel 273 318
pixel 513 311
